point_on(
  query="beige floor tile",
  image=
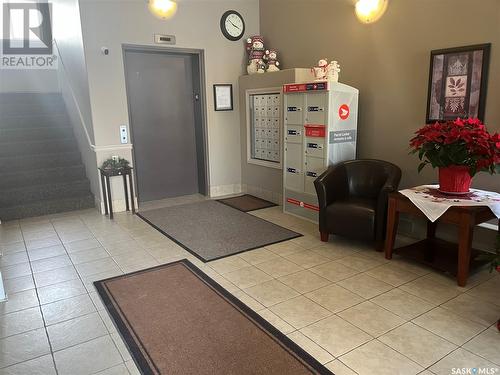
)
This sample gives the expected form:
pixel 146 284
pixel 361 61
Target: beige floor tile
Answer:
pixel 75 360
pixel 338 368
pixel 58 275
pixel 20 322
pixel 475 309
pixel 392 274
pixel 248 300
pixel 307 241
pixel 228 264
pixel 320 354
pixel 333 252
pixel 285 248
pixel 44 242
pixel 487 291
pixel 307 258
pixel 226 284
pixel 120 345
pixel 133 258
pixel 75 331
pixel 371 318
pixel 334 271
pixel 462 359
pixel 334 298
pixel 450 326
pixel 418 344
pixel 49 264
pixel 14 247
pixel 122 247
pixel 16 270
pixel 304 281
pixel 365 286
pixel 279 267
pixel 404 304
pixel 75 246
pixel 410 265
pixel 375 358
pixel 276 321
pixel 19 301
pixel 132 368
pixel 430 290
pixel 300 312
pixel 39 366
pixel 486 345
pixel 247 277
pixel 46 252
pixel 96 266
pixel 18 284
pixel 336 335
pixel 75 236
pixel 258 256
pixel 23 347
pixel 271 292
pixel 56 292
pixel 89 255
pixel 14 258
pixel 66 309
pixel 360 263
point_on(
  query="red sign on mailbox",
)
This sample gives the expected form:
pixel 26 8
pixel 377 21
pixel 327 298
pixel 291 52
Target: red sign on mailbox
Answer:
pixel 315 131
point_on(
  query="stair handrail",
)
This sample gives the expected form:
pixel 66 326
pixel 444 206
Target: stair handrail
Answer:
pixel 65 73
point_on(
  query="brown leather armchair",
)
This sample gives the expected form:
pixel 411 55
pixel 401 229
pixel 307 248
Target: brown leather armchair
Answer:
pixel 352 198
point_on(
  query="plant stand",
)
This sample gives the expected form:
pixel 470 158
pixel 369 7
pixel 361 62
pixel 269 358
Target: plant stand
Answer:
pixel 106 175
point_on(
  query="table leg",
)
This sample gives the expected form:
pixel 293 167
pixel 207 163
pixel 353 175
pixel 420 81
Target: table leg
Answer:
pixel 108 183
pixel 132 198
pixel 431 235
pixel 392 227
pixel 126 192
pixel 464 248
pixel 104 196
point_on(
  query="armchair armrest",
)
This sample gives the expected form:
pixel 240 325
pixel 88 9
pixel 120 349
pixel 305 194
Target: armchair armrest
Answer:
pixel 331 186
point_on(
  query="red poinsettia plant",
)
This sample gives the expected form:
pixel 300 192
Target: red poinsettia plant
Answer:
pixel 463 142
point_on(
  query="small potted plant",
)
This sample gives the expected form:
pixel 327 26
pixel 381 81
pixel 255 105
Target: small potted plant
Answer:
pixel 115 166
pixel 460 149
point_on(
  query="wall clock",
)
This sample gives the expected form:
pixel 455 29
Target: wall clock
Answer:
pixel 232 25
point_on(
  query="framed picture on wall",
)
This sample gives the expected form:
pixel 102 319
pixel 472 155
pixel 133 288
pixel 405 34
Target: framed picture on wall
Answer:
pixel 223 97
pixel 457 83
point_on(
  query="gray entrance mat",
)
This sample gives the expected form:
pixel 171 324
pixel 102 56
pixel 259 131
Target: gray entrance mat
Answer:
pixel 211 230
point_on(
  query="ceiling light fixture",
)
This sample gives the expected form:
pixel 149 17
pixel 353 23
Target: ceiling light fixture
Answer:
pixel 369 11
pixel 163 9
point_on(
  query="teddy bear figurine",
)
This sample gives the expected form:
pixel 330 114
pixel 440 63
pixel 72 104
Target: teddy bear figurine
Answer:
pixel 256 52
pixel 271 58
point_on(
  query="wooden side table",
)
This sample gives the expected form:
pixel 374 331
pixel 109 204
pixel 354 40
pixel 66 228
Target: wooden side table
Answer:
pixel 433 251
pixel 106 174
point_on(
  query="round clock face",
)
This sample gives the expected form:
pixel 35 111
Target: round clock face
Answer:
pixel 232 25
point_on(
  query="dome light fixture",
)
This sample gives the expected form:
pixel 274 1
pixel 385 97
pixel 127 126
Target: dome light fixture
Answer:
pixel 163 9
pixel 369 11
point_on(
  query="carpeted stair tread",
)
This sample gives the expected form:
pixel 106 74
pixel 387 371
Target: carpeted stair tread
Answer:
pixel 34 121
pixel 41 176
pixel 40 133
pixel 38 147
pixel 31 162
pixel 47 207
pixel 18 196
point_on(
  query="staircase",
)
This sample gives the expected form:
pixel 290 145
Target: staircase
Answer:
pixel 41 171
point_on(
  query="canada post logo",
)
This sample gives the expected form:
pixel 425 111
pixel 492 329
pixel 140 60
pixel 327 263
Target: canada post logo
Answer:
pixel 27 36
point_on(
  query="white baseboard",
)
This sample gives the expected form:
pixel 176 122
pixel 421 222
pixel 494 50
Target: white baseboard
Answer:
pixel 222 190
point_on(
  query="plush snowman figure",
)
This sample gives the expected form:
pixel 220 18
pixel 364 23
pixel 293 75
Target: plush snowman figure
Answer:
pixel 272 60
pixel 332 71
pixel 256 51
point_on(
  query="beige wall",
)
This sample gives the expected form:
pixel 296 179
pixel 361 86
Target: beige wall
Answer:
pixel 388 61
pixel 196 25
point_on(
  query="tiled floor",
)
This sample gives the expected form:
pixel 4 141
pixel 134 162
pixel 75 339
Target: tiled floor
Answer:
pixel 342 302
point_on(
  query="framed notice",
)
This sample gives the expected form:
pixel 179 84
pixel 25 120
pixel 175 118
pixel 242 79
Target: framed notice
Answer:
pixel 457 83
pixel 223 97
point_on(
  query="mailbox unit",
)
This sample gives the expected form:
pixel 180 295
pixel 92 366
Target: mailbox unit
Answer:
pixel 320 130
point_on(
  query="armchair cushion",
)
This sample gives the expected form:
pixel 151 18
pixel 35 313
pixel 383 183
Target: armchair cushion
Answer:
pixel 353 218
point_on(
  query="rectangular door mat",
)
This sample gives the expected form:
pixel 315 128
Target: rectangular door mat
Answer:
pixel 211 230
pixel 247 203
pixel 174 319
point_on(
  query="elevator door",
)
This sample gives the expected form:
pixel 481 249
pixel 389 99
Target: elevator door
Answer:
pixel 165 112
